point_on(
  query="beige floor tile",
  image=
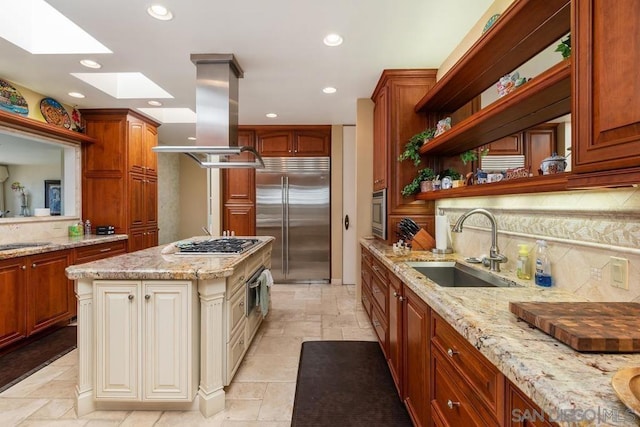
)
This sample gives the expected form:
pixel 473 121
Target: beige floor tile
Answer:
pixel 302 329
pixel 141 419
pixel 248 390
pixel 55 408
pixel 12 411
pixel 340 321
pixel 55 390
pixel 50 423
pixel 331 334
pixel 244 410
pixel 69 359
pixel 107 415
pixel 268 368
pixel 71 374
pixel 282 345
pixel 358 334
pixel 188 418
pixel 102 423
pixel 277 404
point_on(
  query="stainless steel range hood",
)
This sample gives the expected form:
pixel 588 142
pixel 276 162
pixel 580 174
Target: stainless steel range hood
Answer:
pixel 217 115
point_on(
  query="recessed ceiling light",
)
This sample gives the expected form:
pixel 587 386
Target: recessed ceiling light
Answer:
pixel 191 138
pixel 90 63
pixel 76 94
pixel 329 89
pixel 271 115
pixel 160 12
pixel 154 103
pixel 333 40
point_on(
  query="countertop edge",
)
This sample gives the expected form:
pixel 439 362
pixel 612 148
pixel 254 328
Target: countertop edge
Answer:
pixel 60 243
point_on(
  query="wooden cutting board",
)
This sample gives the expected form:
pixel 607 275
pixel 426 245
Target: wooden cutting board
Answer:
pixel 602 327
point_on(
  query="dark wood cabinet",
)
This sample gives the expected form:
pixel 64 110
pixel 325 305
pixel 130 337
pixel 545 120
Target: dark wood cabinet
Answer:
pixel 416 358
pixel 98 251
pixel 606 112
pixel 303 141
pixel 13 294
pixel 396 299
pixel 395 122
pixel 522 412
pixel 508 146
pixel 539 143
pixel 119 174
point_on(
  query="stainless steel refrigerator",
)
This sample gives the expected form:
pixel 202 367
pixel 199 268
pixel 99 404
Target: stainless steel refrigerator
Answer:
pixel 292 195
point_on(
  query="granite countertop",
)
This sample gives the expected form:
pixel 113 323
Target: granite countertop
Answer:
pixel 57 243
pixel 162 263
pixel 572 387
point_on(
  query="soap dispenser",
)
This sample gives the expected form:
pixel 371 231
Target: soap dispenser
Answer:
pixel 523 269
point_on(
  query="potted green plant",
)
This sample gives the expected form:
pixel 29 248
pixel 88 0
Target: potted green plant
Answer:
pixel 425 174
pixel 413 145
pixel 564 47
pixel 472 155
pixel 456 177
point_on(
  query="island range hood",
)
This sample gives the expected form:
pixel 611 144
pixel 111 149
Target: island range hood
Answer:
pixel 216 115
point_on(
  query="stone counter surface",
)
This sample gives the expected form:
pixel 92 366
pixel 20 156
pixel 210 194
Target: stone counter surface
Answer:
pixel 162 263
pixel 57 244
pixel 573 388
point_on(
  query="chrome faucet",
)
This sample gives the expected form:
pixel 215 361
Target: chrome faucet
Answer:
pixel 495 257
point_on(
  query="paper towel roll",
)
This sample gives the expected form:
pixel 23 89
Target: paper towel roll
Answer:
pixel 442 232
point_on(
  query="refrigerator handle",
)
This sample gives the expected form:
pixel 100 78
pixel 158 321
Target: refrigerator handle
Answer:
pixel 286 192
pixel 283 229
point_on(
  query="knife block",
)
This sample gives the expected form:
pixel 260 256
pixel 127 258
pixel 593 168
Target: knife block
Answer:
pixel 422 240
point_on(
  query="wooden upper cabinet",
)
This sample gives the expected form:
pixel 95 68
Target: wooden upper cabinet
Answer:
pixel 606 111
pixel 240 184
pixel 292 141
pixel 380 126
pixel 508 146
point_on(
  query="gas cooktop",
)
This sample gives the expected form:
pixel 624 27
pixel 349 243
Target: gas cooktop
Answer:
pixel 223 245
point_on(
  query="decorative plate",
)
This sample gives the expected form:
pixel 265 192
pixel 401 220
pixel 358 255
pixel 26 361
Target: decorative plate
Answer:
pixel 490 22
pixel 54 113
pixel 11 100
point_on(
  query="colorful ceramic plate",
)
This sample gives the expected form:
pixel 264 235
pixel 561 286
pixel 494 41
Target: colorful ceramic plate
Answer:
pixel 11 100
pixel 54 113
pixel 490 22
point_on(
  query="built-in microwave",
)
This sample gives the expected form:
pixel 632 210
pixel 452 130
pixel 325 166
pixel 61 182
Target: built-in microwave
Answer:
pixel 379 214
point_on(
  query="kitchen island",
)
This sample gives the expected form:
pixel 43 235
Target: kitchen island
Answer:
pixel 573 388
pixel 156 329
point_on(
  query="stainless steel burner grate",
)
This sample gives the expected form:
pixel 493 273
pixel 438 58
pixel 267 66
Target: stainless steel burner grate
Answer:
pixel 227 245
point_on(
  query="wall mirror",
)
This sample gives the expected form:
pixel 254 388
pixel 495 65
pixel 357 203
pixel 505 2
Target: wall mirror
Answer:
pixel 37 172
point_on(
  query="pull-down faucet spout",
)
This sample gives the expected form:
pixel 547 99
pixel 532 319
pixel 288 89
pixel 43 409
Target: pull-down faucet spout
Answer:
pixel 495 258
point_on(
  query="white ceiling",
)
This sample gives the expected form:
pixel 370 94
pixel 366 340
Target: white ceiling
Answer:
pixel 278 43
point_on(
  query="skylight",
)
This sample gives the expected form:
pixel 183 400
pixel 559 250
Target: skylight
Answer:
pixel 170 115
pixel 29 25
pixel 124 85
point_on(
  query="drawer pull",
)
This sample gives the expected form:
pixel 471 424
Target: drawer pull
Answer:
pixel 130 297
pixel 395 294
pixel 241 304
pixel 147 297
pixel 375 267
pixel 24 267
pixel 451 352
pixel 451 404
pixel 105 250
pixel 376 323
pixel 34 265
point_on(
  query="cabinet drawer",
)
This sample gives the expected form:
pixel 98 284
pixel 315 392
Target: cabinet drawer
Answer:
pixel 236 280
pixel 379 270
pixel 99 251
pixel 235 350
pixel 366 257
pixel 236 311
pixel 366 301
pixel 380 326
pixel 451 400
pixel 485 380
pixel 365 273
pixel 379 294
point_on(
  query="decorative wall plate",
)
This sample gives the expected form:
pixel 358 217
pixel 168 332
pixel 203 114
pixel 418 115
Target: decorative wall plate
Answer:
pixel 490 22
pixel 11 100
pixel 54 113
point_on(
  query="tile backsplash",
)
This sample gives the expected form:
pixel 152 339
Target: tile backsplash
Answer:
pixel 583 230
pixel 34 229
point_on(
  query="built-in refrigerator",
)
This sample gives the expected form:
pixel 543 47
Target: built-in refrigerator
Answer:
pixel 293 205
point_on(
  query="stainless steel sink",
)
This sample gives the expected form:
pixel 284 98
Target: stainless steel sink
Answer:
pixel 454 275
pixel 13 246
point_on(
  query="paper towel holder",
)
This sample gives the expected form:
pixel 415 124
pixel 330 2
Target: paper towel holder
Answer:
pixel 447 250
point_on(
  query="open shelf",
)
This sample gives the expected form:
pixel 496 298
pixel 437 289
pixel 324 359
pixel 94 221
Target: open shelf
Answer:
pixel 521 32
pixel 536 184
pixel 18 122
pixel 545 97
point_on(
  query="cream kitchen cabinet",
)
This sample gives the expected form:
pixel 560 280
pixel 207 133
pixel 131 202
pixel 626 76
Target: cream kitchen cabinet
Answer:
pixel 145 346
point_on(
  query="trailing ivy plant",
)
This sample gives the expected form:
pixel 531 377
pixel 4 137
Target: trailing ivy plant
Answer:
pixel 451 173
pixel 472 155
pixel 564 47
pixel 425 174
pixel 415 142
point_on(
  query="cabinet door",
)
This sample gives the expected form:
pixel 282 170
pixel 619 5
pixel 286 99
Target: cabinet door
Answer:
pixel 117 350
pixel 416 373
pixel 380 131
pixel 240 184
pixel 137 212
pixel 150 237
pixel 311 143
pixel 507 146
pixel 275 143
pixel 606 112
pixel 136 146
pixel 150 158
pixel 13 316
pixel 522 412
pixel 49 292
pixel 395 330
pixel 166 340
pixel 540 143
pixel 150 200
pixel 240 219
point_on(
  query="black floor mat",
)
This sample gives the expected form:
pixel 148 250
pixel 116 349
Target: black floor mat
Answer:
pixel 19 364
pixel 346 383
